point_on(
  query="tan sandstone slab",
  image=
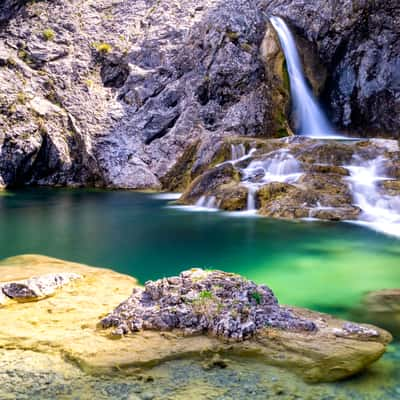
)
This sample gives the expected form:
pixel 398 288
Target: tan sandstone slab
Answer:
pixel 66 324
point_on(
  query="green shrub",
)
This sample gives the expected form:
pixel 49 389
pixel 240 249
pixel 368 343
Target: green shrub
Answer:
pixel 257 297
pixel 103 48
pixel 205 294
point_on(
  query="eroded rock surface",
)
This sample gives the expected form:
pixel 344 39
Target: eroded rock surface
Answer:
pixel 67 324
pixel 198 301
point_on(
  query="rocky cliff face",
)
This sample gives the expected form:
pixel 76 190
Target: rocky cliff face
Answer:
pixel 114 93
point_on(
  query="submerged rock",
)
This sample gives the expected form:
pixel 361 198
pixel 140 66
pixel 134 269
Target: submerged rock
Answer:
pixel 198 301
pixel 380 307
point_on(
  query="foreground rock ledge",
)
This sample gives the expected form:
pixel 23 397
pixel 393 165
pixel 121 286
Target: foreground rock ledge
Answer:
pixel 66 324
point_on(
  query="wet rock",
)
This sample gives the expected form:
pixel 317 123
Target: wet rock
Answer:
pixel 37 288
pixel 210 181
pixel 335 213
pixel 380 307
pixel 328 169
pixel 232 197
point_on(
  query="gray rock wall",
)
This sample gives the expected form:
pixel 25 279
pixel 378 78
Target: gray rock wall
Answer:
pixel 111 93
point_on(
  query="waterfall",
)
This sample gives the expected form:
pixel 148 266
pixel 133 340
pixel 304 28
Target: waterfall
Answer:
pixel 380 211
pixel 311 118
pixel 238 151
pixel 277 166
pixel 209 202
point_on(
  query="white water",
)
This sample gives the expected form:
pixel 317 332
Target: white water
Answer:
pixel 379 211
pixel 278 166
pixel 310 118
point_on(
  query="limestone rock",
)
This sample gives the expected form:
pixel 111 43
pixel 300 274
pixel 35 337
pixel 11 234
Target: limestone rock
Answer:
pixel 294 177
pixel 66 324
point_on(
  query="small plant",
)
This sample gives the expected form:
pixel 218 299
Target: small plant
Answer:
pixel 257 297
pixel 11 62
pixel 48 35
pixel 21 98
pixel 205 294
pixel 103 48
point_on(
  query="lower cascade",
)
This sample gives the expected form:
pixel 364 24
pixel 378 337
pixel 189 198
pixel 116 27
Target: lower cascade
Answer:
pixel 303 178
pixel 379 210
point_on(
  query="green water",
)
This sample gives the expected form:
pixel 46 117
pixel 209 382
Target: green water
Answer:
pixel 325 266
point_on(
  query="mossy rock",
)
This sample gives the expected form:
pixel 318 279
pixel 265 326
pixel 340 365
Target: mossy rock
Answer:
pixel 333 153
pixel 207 183
pixel 180 176
pixel 232 197
pixel 390 187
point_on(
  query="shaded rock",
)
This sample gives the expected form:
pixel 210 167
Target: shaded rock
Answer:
pixel 208 182
pixel 37 288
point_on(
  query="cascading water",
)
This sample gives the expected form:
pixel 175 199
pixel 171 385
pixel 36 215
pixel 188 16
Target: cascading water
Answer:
pixel 278 166
pixel 311 119
pixel 379 210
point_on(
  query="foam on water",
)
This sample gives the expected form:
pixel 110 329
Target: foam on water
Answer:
pixel 379 210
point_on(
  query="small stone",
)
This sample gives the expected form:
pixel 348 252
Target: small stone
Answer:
pixel 147 396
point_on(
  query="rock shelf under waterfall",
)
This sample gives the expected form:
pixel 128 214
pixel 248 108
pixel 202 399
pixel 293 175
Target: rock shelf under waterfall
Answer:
pixel 300 177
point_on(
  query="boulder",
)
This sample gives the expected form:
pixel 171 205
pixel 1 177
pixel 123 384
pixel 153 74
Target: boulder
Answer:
pixel 209 182
pixel 380 307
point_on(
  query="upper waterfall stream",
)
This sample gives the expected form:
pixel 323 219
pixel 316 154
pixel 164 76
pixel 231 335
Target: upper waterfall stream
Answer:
pixel 309 116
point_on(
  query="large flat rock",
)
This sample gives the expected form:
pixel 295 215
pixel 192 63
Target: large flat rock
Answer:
pixel 67 324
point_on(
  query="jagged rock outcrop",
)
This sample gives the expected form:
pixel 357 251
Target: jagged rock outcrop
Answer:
pixel 198 301
pixel 67 324
pixel 113 94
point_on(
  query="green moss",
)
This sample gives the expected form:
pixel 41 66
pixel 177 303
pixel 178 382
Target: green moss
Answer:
pixel 103 48
pixel 48 34
pixel 180 176
pixel 205 294
pixel 257 297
